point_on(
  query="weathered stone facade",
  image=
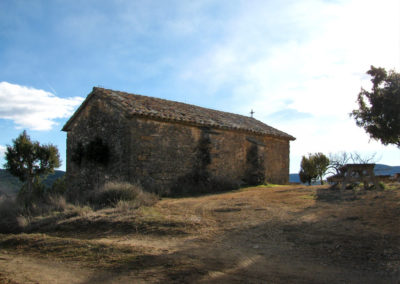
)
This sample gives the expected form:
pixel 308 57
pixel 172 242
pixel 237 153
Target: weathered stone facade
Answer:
pixel 158 152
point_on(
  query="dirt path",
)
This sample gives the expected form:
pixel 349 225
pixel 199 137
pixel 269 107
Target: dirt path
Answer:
pixel 289 234
pixel 25 269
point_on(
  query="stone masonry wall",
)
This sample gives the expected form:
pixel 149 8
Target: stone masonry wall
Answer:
pixel 163 152
pixel 157 153
pixel 230 151
pixel 97 120
pixel 277 160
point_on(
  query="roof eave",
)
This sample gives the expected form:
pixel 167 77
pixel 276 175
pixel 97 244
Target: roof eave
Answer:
pixel 67 125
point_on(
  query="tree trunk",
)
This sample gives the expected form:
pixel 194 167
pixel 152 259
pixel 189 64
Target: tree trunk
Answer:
pixel 29 180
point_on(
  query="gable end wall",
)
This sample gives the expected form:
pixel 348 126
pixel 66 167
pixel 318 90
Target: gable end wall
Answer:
pixel 97 119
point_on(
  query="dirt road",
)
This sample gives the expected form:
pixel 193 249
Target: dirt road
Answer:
pixel 286 234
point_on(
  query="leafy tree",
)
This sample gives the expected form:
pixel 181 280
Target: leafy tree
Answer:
pixel 315 166
pixel 29 160
pixel 378 111
pixel 321 164
pixel 307 170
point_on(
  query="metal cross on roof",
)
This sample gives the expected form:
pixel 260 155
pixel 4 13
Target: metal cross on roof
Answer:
pixel 251 113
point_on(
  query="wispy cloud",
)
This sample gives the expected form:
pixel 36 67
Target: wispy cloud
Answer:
pixel 300 65
pixel 32 108
pixel 2 154
pixel 2 150
pixel 288 114
pixel 314 53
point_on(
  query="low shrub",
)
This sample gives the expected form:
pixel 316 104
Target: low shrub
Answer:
pixel 17 216
pixel 26 197
pixel 9 216
pixel 57 203
pixel 59 186
pixel 114 193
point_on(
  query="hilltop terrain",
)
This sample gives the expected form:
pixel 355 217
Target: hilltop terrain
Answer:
pixel 279 234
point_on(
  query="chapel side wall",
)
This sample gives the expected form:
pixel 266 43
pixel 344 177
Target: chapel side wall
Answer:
pixel 97 119
pixel 161 152
pixel 228 155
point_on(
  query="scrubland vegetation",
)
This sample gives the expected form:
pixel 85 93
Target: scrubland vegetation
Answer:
pixel 31 209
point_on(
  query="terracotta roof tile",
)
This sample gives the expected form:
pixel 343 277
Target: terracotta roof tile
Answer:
pixel 138 105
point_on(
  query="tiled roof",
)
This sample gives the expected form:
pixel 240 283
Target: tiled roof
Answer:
pixel 138 105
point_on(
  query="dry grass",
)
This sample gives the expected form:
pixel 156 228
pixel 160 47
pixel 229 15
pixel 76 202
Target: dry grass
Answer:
pixel 123 195
pixel 52 210
pixel 15 217
pixel 285 234
pixel 91 254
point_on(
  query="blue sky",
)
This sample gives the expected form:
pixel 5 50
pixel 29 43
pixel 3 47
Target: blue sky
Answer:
pixel 298 64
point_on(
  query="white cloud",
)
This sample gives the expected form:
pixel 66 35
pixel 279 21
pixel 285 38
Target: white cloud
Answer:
pixel 32 108
pixel 2 154
pixel 2 150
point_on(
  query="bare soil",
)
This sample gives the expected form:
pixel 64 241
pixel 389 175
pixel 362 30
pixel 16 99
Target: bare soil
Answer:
pixel 284 234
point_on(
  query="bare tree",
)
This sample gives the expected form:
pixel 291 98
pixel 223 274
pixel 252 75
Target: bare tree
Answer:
pixel 357 158
pixel 338 160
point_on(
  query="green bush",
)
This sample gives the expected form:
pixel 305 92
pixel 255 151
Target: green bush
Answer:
pixel 26 198
pixel 41 200
pixel 59 186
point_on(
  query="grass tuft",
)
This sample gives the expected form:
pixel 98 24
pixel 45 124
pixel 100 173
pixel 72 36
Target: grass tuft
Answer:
pixel 123 195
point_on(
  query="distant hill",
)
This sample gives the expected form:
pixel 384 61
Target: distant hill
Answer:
pixel 294 178
pixel 10 184
pixel 386 170
pixel 380 169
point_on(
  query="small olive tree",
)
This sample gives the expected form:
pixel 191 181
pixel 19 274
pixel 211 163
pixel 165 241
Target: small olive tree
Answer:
pixel 29 160
pixel 307 170
pixel 312 167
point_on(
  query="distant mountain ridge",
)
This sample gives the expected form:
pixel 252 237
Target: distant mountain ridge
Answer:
pixel 380 169
pixel 10 184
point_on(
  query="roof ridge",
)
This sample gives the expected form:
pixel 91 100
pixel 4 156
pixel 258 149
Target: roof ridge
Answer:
pixel 168 110
pixel 167 100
